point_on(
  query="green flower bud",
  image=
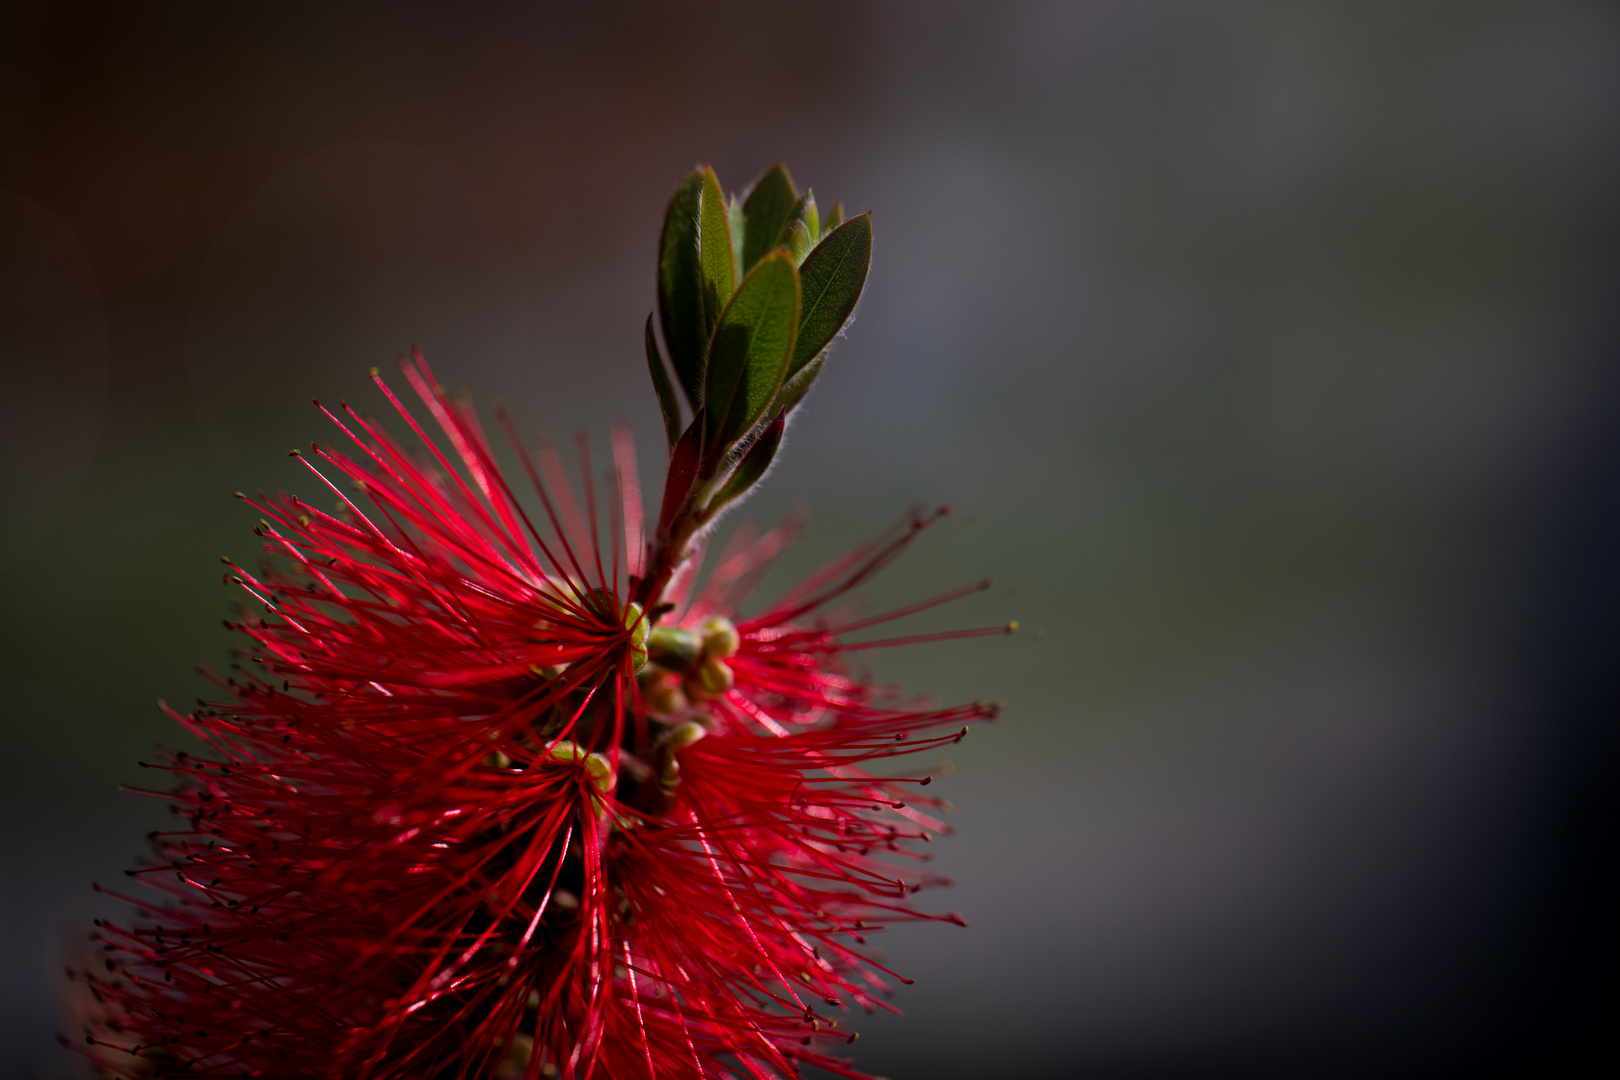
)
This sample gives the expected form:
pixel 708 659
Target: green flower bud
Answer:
pixel 660 694
pixel 597 767
pixel 711 679
pixel 674 649
pixel 720 638
pixel 637 625
pixel 679 738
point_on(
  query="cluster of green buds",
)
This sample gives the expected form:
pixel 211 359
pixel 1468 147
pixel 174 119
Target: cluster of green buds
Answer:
pixel 752 291
pixel 685 668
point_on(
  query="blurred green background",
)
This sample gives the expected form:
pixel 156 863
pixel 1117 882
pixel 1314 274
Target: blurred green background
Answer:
pixel 1267 352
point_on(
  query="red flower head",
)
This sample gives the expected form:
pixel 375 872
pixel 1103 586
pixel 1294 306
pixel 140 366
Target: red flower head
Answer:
pixel 496 793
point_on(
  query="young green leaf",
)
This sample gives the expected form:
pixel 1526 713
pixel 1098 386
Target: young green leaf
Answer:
pixel 834 275
pixel 667 404
pixel 680 289
pixel 835 218
pixel 765 211
pixel 799 240
pixel 752 466
pixel 714 250
pixel 752 345
pixel 804 212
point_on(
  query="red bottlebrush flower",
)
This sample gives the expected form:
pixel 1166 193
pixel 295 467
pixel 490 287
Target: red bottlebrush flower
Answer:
pixel 498 794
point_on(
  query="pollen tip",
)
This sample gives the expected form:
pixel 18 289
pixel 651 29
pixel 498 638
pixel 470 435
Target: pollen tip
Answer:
pixel 372 371
pixel 294 453
pixel 1012 626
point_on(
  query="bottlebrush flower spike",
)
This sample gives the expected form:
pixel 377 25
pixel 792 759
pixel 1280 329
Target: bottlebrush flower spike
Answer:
pixel 498 793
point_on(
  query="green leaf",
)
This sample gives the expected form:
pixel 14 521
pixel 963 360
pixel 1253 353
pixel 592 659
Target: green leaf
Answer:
pixel 795 386
pixel 680 290
pixel 752 345
pixel 834 275
pixel 765 211
pixel 714 250
pixel 752 466
pixel 834 219
pixel 667 404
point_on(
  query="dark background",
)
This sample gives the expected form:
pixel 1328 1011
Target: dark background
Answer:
pixel 1267 352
